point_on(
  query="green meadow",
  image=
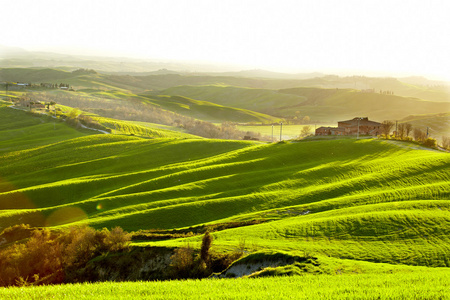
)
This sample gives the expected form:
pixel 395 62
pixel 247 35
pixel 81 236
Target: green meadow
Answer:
pixel 355 199
pixel 427 285
pixel 370 217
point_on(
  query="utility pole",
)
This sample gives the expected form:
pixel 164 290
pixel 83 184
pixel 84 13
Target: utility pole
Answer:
pixel 357 134
pixel 281 129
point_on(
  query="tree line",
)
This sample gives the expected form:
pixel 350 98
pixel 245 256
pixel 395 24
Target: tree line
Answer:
pixel 404 130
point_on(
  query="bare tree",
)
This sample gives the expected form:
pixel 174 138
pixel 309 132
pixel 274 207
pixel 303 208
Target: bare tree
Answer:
pixel 401 129
pixel 386 127
pixel 306 130
pixel 446 142
pixel 408 128
pixel 419 135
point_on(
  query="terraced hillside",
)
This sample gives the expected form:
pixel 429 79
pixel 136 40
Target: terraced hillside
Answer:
pixel 369 200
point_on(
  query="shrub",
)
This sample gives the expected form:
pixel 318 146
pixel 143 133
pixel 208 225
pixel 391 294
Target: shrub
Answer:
pixel 38 261
pixel 182 262
pixel 430 142
pixel 47 257
pixel 206 244
pixel 117 239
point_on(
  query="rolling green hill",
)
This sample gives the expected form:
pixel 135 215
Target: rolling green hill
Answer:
pixel 208 111
pixel 365 200
pixel 20 129
pixel 261 100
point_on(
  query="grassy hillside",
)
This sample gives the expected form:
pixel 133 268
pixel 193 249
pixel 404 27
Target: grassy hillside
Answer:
pixel 261 100
pixel 21 130
pixel 363 200
pixel 208 111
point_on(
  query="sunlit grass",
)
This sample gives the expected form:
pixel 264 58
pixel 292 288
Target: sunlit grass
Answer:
pixel 357 199
pixel 418 285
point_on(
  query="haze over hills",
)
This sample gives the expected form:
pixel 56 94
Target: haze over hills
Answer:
pixel 247 96
pixel 13 57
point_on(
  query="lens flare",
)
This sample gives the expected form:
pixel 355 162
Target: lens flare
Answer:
pixel 66 215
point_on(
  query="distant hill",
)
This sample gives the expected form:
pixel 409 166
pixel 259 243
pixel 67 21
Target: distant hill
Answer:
pixel 438 124
pixel 346 103
pixel 323 99
pixel 33 75
pixel 261 100
pixel 326 105
pixel 208 111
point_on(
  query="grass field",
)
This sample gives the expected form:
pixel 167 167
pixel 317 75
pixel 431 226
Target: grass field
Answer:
pixel 418 285
pixel 356 199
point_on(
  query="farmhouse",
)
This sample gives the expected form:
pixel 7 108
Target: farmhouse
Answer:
pixel 354 126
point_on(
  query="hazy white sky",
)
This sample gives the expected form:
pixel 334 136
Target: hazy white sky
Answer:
pixel 386 36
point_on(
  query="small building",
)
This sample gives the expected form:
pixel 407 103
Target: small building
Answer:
pixel 337 131
pixel 323 131
pixel 361 126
